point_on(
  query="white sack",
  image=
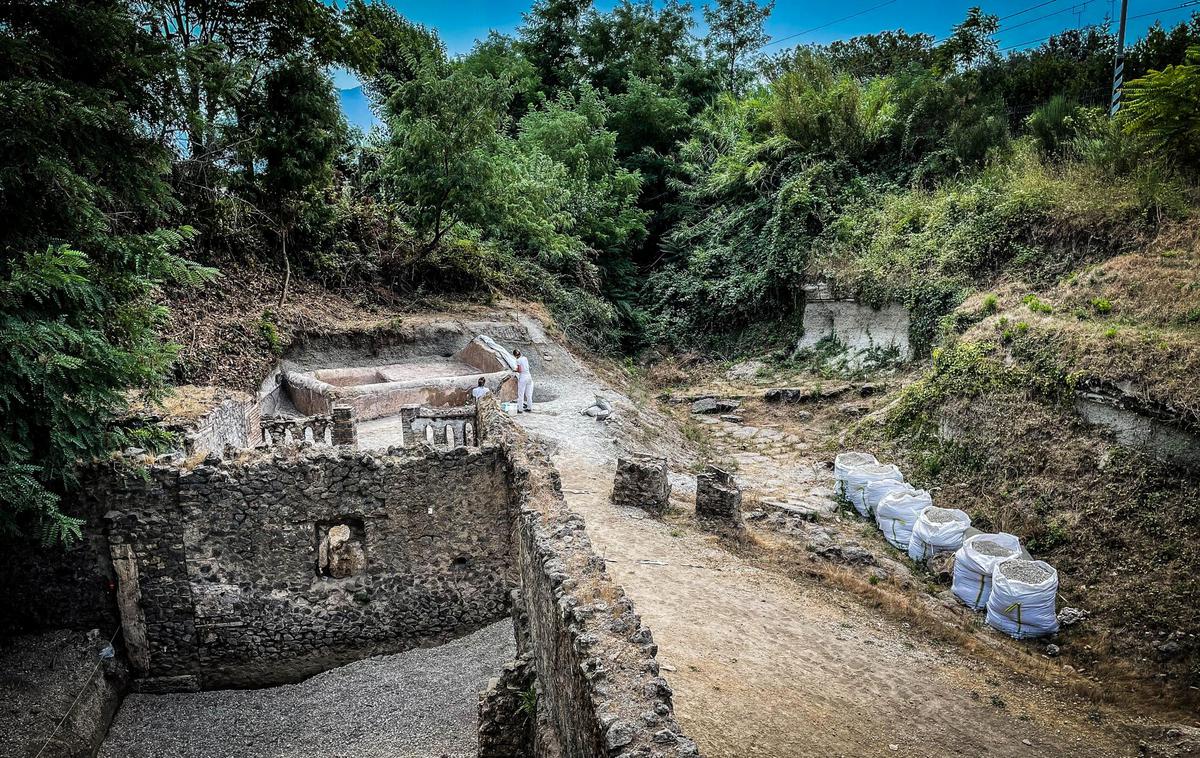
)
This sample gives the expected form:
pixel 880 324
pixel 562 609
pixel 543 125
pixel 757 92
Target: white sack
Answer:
pixel 931 537
pixel 843 463
pixel 972 583
pixel 857 479
pixel 1020 609
pixel 877 490
pixel 897 514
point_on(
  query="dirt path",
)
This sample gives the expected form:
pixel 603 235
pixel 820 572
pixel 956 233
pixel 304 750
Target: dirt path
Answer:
pixel 767 665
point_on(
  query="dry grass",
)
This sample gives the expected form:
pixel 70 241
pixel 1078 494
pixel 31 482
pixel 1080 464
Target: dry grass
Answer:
pixel 1158 285
pixel 911 605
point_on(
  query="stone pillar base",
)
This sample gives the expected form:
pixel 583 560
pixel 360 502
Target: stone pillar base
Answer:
pixel 641 482
pixel 718 496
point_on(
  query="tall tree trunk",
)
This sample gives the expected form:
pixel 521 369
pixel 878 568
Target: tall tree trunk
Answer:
pixel 287 270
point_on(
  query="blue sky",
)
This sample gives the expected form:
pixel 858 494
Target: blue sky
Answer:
pixel 460 23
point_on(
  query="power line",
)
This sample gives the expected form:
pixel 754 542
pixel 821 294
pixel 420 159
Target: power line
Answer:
pixel 1083 4
pixel 1026 10
pixel 829 24
pixel 1188 4
pixel 1089 27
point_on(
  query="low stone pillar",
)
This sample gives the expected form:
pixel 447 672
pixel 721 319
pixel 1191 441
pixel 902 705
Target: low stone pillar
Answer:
pixel 641 482
pixel 345 426
pixel 507 712
pixel 718 496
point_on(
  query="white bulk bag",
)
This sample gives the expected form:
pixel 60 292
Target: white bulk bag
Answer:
pixel 972 583
pixel 857 479
pixel 876 491
pixel 938 530
pixel 843 463
pixel 1022 608
pixel 897 514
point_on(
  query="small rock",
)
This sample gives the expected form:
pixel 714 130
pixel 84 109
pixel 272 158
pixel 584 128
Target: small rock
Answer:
pixel 1052 650
pixel 1070 616
pixel 705 405
pixel 619 735
pixel 941 565
pixel 853 409
pixel 868 389
pixel 745 370
pixel 804 416
pixel 731 418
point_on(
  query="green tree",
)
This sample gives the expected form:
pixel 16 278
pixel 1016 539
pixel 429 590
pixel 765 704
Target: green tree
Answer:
pixel 1163 107
pixel 500 57
pixel 735 32
pixel 550 41
pixel 1161 47
pixel 886 52
pixel 636 41
pixel 82 194
pixel 388 49
pixel 444 127
pixel 572 131
pixel 970 45
pixel 298 133
pixel 220 54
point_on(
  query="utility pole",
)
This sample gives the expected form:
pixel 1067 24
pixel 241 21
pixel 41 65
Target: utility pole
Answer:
pixel 1119 65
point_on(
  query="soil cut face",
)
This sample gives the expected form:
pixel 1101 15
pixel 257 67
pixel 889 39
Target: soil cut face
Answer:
pixel 775 664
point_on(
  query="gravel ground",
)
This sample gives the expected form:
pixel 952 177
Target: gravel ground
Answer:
pixel 1024 571
pixel 418 704
pixel 936 515
pixel 46 676
pixel 987 547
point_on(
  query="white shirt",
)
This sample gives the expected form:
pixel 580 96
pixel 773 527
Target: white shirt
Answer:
pixel 478 392
pixel 523 368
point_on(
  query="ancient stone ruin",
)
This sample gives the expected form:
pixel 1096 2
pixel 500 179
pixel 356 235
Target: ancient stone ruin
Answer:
pixel 718 496
pixel 641 482
pixel 278 561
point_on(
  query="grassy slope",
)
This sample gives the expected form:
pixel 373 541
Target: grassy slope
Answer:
pixel 992 426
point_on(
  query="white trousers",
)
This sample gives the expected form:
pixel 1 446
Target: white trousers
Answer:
pixel 525 392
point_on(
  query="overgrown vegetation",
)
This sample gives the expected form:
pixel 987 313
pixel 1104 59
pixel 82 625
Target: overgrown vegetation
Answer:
pixel 652 187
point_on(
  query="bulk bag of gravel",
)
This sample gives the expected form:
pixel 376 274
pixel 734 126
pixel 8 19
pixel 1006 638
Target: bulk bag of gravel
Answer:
pixel 843 463
pixel 973 565
pixel 1022 601
pixel 877 490
pixel 857 480
pixel 897 514
pixel 938 530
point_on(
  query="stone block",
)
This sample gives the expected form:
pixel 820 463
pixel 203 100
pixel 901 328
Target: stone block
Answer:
pixel 641 482
pixel 345 426
pixel 718 496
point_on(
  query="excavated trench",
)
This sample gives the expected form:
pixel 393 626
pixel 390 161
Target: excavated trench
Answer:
pixel 760 663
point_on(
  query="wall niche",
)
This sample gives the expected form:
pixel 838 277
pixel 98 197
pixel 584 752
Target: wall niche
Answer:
pixel 341 551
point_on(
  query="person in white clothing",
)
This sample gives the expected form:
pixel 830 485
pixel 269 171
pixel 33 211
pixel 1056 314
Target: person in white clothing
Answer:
pixel 481 389
pixel 524 384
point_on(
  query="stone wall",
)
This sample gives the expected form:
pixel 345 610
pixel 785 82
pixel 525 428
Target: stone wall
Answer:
pixel 868 334
pixel 313 396
pixel 235 421
pixel 216 572
pixel 600 692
